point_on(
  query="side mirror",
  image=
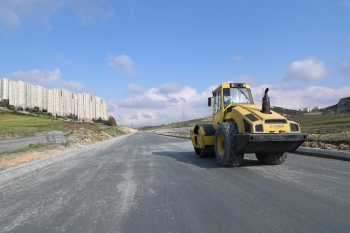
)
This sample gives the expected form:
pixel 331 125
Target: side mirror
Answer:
pixel 209 101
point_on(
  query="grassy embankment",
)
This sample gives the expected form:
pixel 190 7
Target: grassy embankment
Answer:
pixel 329 123
pixel 18 126
pixel 79 134
pixel 330 128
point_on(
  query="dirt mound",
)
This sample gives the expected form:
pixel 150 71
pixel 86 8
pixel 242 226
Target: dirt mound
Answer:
pixel 327 145
pixel 330 141
pixel 127 130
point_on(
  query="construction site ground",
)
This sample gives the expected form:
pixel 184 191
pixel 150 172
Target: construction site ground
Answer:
pixel 85 136
pixel 75 139
pixel 329 141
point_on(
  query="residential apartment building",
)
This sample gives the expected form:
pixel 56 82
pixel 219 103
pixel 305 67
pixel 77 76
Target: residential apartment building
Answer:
pixel 50 102
pixel 40 97
pixel 69 100
pixel 83 107
pixel 100 108
pixel 17 93
pixel 4 88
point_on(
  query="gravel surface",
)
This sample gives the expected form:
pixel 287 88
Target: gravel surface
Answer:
pixel 153 183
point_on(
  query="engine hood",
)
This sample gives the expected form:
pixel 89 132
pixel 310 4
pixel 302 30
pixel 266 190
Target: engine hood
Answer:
pixel 256 111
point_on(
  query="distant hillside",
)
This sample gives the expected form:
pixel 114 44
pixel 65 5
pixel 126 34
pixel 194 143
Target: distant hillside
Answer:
pixel 343 106
pixel 189 123
pixel 285 111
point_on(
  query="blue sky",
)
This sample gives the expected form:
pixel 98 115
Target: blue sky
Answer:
pixel 157 62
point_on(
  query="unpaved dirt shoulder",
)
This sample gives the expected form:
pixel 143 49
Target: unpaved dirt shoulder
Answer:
pixel 76 139
pixel 331 141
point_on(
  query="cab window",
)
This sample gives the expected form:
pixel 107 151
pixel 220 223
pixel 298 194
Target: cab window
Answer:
pixel 217 102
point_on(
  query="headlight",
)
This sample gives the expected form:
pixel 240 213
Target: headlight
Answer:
pixel 259 128
pixel 294 127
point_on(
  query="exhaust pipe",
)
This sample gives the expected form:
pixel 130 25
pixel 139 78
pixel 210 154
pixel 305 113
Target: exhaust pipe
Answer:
pixel 266 103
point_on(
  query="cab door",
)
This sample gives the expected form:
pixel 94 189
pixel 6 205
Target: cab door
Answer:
pixel 217 108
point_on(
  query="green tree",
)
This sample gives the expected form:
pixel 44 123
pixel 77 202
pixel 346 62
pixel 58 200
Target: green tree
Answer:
pixel 111 121
pixel 4 103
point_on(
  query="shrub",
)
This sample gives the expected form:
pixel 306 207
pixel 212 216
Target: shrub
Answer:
pixel 111 121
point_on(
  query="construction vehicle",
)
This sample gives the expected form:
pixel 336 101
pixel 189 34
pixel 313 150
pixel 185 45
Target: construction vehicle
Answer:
pixel 239 126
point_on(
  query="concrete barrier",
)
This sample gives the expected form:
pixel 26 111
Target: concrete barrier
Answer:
pixel 56 136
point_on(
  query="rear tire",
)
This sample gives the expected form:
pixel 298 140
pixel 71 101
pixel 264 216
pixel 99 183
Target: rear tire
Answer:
pixel 225 145
pixel 271 158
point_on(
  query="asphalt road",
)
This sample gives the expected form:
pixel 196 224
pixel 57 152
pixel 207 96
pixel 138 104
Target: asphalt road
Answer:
pixel 153 183
pixel 13 144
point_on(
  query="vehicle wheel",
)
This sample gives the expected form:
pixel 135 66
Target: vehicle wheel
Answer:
pixel 225 145
pixel 199 152
pixel 271 158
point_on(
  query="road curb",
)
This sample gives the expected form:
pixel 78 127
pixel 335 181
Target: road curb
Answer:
pixel 23 170
pixel 173 135
pixel 323 153
pixel 313 152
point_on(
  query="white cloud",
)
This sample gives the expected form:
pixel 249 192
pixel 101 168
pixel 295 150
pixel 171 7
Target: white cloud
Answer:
pixel 8 18
pixel 345 68
pixel 14 12
pixel 169 88
pixel 36 76
pixel 123 62
pixel 305 70
pixel 156 107
pixel 238 57
pixel 72 85
pixel 161 105
pixel 147 116
pixel 133 88
pixel 348 40
pixel 247 79
pixel 62 58
pixel 296 98
pixel 346 2
pixel 91 11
